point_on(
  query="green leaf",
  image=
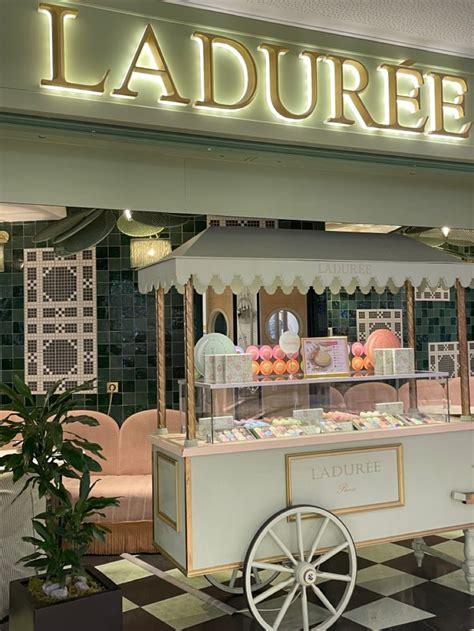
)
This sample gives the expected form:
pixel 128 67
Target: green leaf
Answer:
pixel 84 486
pixel 85 420
pixel 41 529
pixel 38 563
pixel 92 464
pixel 22 388
pixel 30 557
pixel 73 456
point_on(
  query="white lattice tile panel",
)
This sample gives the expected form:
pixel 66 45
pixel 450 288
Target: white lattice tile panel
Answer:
pixel 432 295
pixel 60 318
pixel 369 320
pixel 444 357
pixel 240 222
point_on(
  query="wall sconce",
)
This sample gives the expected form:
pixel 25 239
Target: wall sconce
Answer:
pixel 146 251
pixel 4 237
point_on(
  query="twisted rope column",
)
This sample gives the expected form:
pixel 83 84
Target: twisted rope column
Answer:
pixel 189 361
pixel 411 337
pixel 160 358
pixel 463 351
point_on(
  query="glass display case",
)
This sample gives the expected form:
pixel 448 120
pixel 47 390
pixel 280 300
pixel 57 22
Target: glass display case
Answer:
pixel 294 407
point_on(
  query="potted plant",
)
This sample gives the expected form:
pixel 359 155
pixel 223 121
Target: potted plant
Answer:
pixel 63 595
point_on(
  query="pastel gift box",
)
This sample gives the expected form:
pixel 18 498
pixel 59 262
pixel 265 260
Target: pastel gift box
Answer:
pixel 220 423
pixel 403 361
pixel 238 368
pixel 383 361
pixel 219 368
pixel 392 407
pixel 309 415
pixel 210 369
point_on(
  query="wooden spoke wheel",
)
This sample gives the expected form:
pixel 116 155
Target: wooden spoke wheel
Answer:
pixel 315 583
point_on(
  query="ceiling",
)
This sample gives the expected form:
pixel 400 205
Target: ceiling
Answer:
pixel 27 212
pixel 437 25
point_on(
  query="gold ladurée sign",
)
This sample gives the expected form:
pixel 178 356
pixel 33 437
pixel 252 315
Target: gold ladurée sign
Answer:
pixel 406 86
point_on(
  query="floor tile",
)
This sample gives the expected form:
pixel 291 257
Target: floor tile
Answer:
pixel 229 623
pixel 453 548
pixel 293 618
pixel 123 571
pixel 199 582
pixel 431 540
pixel 157 560
pixel 182 612
pixel 431 568
pixel 385 613
pixel 454 580
pixel 149 590
pixel 393 584
pixel 376 572
pixel 127 605
pixel 454 534
pixel 454 621
pixel 382 553
pixel 140 620
pixel 334 591
pixel 435 598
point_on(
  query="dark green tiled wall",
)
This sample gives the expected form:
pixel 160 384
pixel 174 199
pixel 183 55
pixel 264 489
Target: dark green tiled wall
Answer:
pixel 125 322
pixel 435 321
pixel 126 319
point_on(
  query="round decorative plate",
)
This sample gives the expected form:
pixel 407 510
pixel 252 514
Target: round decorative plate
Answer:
pixel 381 338
pixel 212 344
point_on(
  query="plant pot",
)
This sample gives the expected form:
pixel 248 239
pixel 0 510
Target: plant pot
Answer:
pixel 97 612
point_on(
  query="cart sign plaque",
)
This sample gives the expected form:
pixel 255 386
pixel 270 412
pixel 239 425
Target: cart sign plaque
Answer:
pixel 348 480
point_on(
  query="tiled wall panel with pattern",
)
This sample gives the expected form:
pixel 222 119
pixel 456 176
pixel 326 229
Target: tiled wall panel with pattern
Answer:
pixel 60 311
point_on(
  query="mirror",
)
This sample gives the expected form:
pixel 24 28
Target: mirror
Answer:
pixel 279 321
pixel 218 323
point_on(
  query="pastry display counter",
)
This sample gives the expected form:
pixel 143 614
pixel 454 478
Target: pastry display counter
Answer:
pixel 272 479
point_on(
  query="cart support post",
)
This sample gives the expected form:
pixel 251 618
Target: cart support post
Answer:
pixel 160 360
pixel 189 364
pixel 463 351
pixel 411 338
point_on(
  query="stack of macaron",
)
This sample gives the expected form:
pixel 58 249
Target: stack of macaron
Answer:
pixel 272 361
pixel 360 360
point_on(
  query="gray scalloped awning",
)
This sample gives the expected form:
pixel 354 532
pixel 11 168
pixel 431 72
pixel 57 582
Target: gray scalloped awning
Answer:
pixel 255 258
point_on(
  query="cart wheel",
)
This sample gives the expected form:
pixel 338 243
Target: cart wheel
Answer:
pixel 316 595
pixel 260 580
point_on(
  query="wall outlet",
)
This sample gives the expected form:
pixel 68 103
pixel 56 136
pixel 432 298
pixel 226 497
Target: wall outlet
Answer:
pixel 112 386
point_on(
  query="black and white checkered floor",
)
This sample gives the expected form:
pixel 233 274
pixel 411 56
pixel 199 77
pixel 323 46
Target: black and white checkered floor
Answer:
pixel 392 593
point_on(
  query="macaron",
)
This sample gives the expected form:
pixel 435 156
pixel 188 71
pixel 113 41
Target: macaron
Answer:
pixel 278 352
pixel 368 364
pixel 253 350
pixel 266 367
pixel 279 367
pixel 357 349
pixel 255 367
pixel 266 352
pixel 293 366
pixel 357 363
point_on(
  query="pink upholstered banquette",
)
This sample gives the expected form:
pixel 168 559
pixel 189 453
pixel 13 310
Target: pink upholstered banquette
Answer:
pixel 429 393
pixel 363 396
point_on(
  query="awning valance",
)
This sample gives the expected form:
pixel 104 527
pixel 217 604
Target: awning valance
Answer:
pixel 255 258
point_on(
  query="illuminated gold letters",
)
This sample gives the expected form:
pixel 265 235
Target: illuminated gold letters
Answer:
pixel 414 101
pixel 58 16
pixel 161 72
pixel 439 106
pixel 394 99
pixel 272 54
pixel 339 92
pixel 208 42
